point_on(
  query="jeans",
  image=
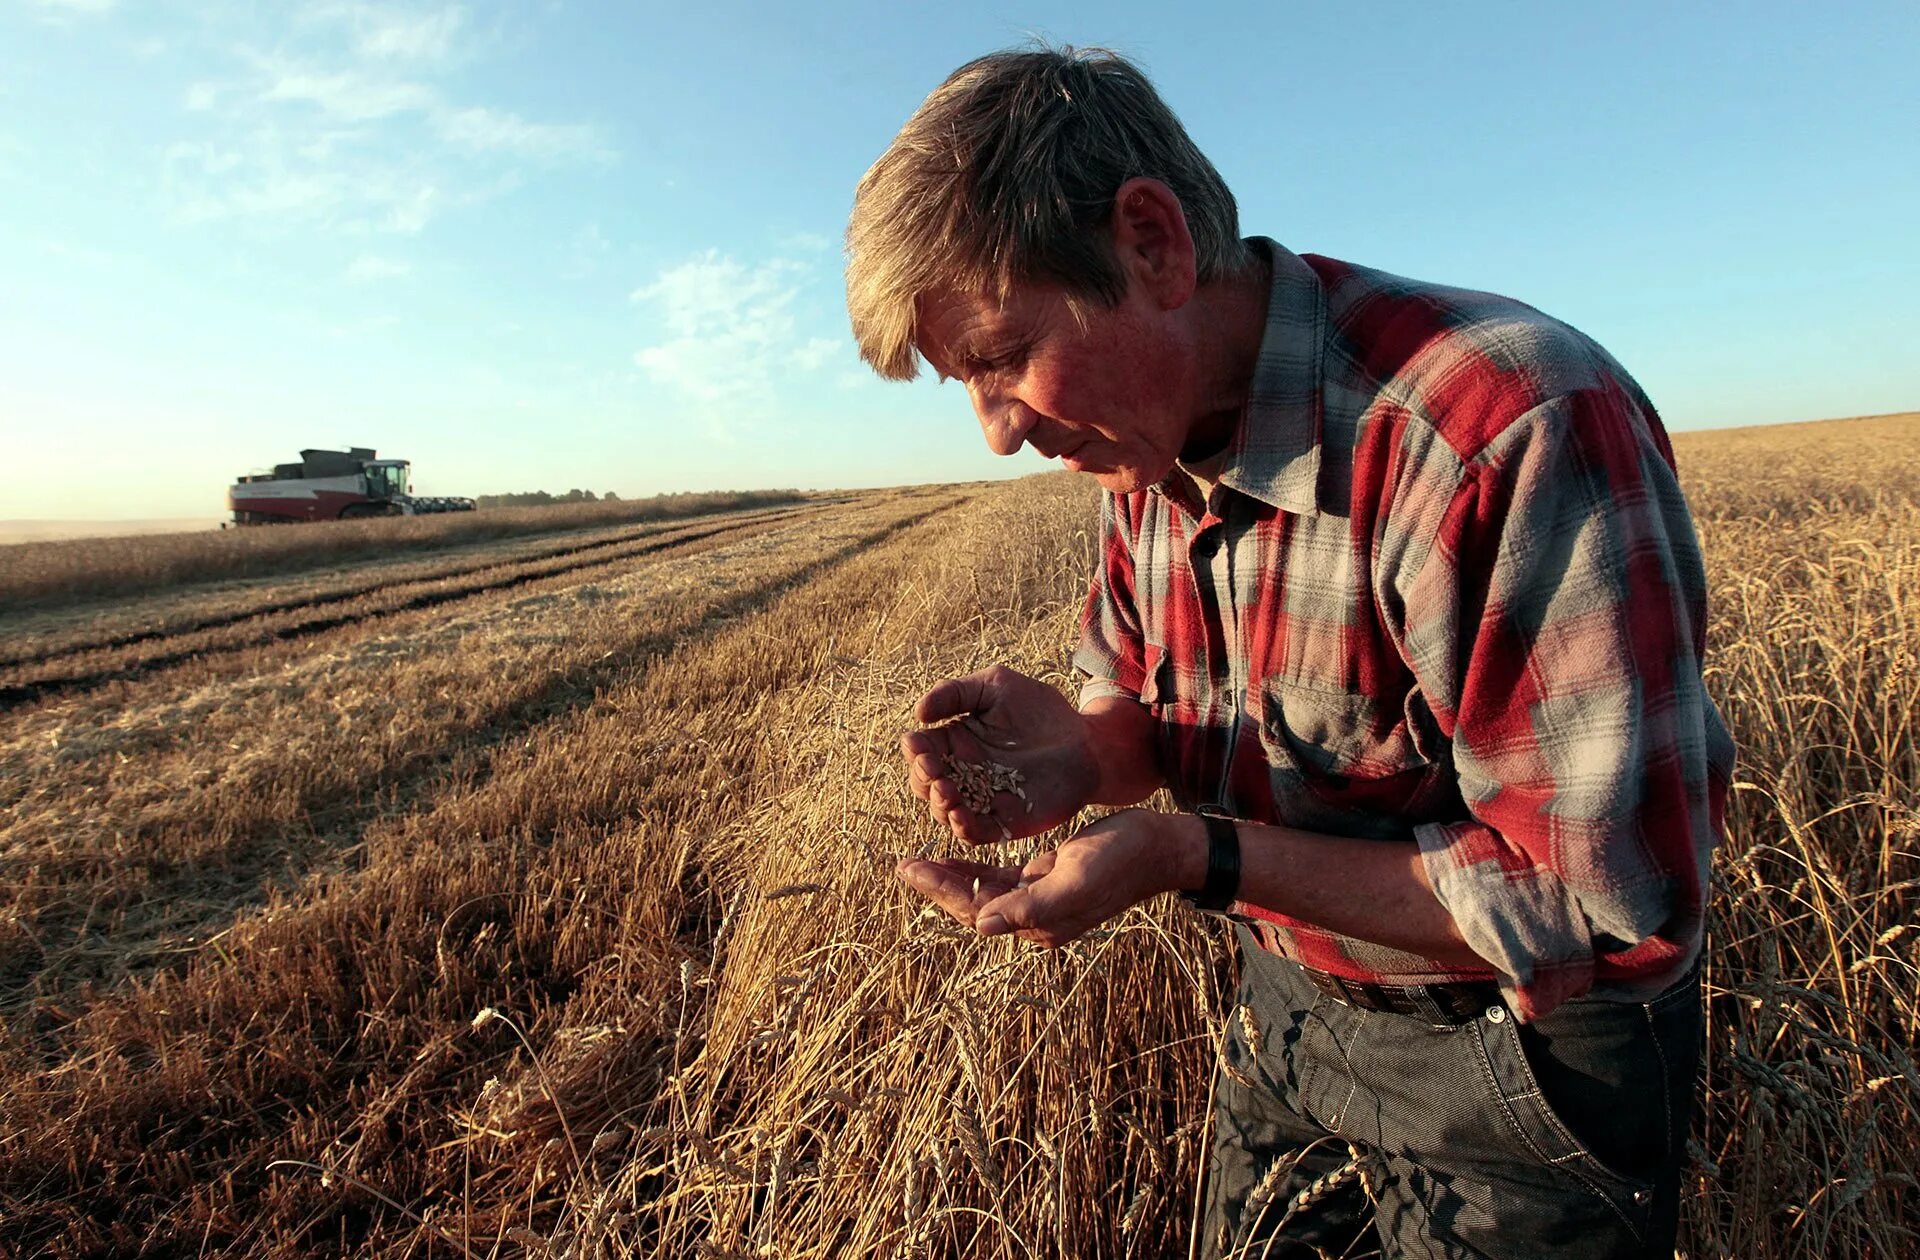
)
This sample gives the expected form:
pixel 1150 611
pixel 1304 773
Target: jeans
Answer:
pixel 1345 1132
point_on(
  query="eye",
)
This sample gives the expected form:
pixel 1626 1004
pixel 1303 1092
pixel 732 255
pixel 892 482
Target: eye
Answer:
pixel 994 361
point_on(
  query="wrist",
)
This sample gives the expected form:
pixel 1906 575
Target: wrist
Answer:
pixel 1119 737
pixel 1184 845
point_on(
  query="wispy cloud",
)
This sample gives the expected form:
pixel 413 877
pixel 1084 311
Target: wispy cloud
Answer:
pixel 586 251
pixel 353 126
pixel 497 131
pixel 350 97
pixel 274 184
pixel 392 34
pixel 370 267
pixel 733 335
pixel 71 8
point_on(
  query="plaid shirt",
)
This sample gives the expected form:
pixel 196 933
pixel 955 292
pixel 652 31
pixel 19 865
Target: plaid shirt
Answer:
pixel 1445 592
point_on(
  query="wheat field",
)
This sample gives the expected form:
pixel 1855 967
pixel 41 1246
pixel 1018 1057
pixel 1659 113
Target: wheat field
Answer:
pixel 535 898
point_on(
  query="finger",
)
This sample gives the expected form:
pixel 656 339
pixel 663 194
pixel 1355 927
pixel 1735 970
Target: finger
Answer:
pixel 994 878
pixel 1039 867
pixel 1034 911
pixel 943 795
pixel 956 886
pixel 944 803
pixel 973 828
pixel 928 743
pixel 977 828
pixel 953 696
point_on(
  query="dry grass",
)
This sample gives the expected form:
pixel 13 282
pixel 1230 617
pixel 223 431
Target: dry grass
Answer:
pixel 255 922
pixel 57 573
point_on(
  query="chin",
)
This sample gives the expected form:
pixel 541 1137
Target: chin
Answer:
pixel 1128 480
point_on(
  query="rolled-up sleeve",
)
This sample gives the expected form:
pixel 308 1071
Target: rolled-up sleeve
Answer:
pixel 1555 626
pixel 1112 652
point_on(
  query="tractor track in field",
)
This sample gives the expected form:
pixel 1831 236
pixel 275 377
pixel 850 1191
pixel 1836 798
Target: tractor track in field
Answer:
pixel 506 576
pixel 652 530
pixel 260 858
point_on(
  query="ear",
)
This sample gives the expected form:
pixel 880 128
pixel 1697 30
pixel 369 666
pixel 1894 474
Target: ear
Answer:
pixel 1151 242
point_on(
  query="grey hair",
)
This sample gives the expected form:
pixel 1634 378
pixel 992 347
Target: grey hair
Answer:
pixel 1004 177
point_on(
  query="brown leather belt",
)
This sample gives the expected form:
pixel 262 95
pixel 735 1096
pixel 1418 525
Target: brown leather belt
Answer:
pixel 1450 1004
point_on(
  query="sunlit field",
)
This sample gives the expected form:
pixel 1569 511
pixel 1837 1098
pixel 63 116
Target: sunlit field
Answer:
pixel 531 895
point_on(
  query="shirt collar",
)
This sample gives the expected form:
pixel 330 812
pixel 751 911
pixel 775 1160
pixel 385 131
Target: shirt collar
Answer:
pixel 1275 453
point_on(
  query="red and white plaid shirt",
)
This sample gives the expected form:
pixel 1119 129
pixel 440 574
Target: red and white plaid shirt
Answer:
pixel 1445 591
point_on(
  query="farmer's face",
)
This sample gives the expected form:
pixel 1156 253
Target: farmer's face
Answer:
pixel 1108 398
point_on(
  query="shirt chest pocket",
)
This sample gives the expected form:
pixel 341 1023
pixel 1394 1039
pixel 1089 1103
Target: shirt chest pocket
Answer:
pixel 1338 739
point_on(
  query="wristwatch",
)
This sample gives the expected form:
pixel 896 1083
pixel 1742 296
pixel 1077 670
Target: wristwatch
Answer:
pixel 1223 865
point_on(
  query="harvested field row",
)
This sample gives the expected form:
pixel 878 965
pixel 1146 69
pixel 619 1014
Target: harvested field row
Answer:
pixel 87 571
pixel 36 636
pixel 599 953
pixel 136 819
pixel 337 1022
pixel 92 666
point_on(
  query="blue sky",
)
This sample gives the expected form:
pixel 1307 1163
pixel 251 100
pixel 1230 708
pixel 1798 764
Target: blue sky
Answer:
pixel 547 245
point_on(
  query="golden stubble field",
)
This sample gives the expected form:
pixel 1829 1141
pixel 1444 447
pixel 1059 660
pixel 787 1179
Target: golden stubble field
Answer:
pixel 532 896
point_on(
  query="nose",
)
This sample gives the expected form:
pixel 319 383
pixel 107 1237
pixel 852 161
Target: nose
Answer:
pixel 1006 422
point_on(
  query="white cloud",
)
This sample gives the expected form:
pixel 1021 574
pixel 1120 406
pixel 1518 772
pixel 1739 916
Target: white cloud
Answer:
pixel 211 159
pixel 492 130
pixel 350 96
pixel 389 34
pixel 270 183
pixel 815 354
pixel 62 8
pixel 339 138
pixel 410 214
pixel 370 267
pixel 86 255
pixel 733 337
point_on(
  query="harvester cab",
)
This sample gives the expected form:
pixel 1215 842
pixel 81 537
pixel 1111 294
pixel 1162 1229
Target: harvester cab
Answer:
pixel 388 480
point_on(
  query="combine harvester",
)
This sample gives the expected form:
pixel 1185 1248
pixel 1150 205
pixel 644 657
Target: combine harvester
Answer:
pixel 332 486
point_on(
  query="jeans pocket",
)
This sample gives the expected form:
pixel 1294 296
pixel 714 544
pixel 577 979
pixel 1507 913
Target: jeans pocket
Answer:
pixel 1588 1115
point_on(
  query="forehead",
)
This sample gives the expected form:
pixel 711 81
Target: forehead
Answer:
pixel 957 322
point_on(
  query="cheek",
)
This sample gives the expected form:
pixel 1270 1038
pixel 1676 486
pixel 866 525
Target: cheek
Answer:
pixel 1069 392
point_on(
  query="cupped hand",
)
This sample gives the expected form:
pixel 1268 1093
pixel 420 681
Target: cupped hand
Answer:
pixel 1022 723
pixel 1099 873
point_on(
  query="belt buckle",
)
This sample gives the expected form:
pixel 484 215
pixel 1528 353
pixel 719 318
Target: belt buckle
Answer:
pixel 1456 1003
pixel 1328 983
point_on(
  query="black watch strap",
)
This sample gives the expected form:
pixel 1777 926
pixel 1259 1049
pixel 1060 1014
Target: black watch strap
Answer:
pixel 1223 867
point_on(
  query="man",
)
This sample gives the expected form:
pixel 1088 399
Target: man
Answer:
pixel 1399 596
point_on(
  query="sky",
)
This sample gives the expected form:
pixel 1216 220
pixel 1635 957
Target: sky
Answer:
pixel 597 245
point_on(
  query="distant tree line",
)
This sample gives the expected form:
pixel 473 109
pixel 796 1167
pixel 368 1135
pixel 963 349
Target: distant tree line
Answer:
pixel 540 498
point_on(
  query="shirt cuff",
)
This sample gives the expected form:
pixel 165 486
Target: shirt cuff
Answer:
pixel 1103 689
pixel 1518 916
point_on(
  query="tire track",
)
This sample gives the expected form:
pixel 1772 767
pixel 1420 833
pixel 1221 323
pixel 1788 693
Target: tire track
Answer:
pixel 262 859
pixel 651 530
pixel 16 694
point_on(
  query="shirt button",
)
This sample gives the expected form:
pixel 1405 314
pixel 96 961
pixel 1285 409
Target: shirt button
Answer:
pixel 1496 1014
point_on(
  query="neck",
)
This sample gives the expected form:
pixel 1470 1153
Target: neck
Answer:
pixel 1231 320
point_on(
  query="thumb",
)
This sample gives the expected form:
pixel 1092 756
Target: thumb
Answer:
pixel 953 697
pixel 1029 907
